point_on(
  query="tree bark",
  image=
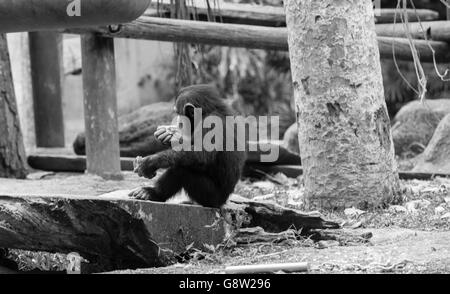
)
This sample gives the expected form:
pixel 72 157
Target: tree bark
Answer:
pixel 12 151
pixel 344 135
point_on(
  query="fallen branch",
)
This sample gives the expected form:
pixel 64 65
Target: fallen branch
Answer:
pixel 273 217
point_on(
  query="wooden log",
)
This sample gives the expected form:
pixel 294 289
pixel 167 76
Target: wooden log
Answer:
pixel 247 236
pixel 403 50
pixel 272 217
pixel 255 37
pixel 12 150
pixel 24 15
pixel 111 233
pixel 433 30
pixel 68 163
pixel 46 75
pixel 227 13
pixel 100 106
pixel 72 163
pixel 387 15
pixel 116 233
pixel 50 160
pixel 268 15
pixel 176 30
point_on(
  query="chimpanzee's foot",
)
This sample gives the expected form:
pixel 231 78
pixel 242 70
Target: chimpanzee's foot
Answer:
pixel 145 193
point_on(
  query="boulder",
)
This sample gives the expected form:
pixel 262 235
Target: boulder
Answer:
pixel 416 122
pixel 436 157
pixel 136 130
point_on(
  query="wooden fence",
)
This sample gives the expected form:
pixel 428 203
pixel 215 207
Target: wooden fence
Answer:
pixel 237 26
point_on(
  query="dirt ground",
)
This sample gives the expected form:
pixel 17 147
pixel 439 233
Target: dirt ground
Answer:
pixel 410 238
pixel 390 251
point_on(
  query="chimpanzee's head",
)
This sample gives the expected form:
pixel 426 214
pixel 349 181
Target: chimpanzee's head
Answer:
pixel 204 97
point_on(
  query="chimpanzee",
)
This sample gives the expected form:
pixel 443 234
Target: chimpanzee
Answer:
pixel 208 177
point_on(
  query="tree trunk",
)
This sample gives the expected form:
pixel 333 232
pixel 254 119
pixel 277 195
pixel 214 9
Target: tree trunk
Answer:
pixel 12 151
pixel 344 127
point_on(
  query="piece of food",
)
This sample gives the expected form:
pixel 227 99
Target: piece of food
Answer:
pixel 137 162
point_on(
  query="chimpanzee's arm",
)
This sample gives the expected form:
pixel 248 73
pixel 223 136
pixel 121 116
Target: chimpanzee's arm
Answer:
pixel 196 160
pixel 169 158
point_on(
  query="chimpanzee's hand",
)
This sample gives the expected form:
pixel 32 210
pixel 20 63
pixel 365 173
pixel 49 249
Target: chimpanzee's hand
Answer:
pixel 164 134
pixel 145 167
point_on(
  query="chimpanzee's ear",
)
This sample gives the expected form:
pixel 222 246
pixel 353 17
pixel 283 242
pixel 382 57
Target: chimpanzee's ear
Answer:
pixel 189 110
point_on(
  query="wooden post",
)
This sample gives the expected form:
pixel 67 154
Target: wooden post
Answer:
pixel 46 75
pixel 448 9
pixel 100 106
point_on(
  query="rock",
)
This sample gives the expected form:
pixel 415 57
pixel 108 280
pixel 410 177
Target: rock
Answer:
pixel 447 200
pixel 446 216
pixel 356 225
pixel 414 205
pixel 327 244
pixel 39 175
pixel 264 185
pixel 136 130
pixel 430 190
pixel 283 179
pixel 397 208
pixel 267 197
pixel 436 157
pixel 353 212
pixel 290 140
pixel 439 210
pixel 416 122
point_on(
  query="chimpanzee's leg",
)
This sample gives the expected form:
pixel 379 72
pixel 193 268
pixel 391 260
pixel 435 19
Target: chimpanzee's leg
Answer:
pixel 203 190
pixel 165 187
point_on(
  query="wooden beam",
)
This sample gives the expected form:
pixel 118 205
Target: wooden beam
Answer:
pixel 227 13
pixel 175 30
pixel 388 15
pixel 267 15
pixel 256 37
pixel 433 30
pixel 100 106
pixel 448 10
pixel 46 75
pixel 403 49
pixel 73 163
pixel 68 163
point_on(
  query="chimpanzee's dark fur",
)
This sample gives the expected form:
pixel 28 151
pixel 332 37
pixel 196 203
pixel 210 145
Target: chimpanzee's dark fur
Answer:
pixel 208 177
